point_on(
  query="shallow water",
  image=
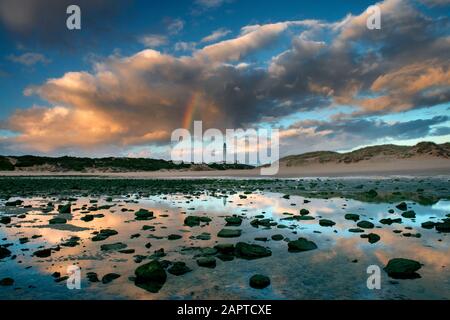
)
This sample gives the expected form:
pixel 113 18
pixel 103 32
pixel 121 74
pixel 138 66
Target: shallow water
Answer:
pixel 336 270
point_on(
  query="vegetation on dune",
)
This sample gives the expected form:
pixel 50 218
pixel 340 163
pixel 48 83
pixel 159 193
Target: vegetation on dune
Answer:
pixel 101 164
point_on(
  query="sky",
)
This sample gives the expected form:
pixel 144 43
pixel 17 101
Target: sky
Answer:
pixel 137 70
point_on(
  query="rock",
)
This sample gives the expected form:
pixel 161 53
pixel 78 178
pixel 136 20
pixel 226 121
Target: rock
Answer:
pixel 192 221
pixel 390 221
pixel 174 237
pixel 127 251
pixel 304 212
pixel 150 276
pixel 229 233
pixel 428 225
pixel 87 218
pixel 262 239
pixel 233 221
pixel 208 251
pixel 277 237
pixel 409 214
pixel 263 222
pixel 203 236
pixel 5 220
pixel 372 237
pixel 71 242
pixel 301 245
pixel 400 268
pixel 4 253
pixel 92 277
pixel 372 193
pixel 326 223
pixel 104 234
pixel 44 253
pixel 356 230
pixel 225 248
pixel 66 208
pixel 225 257
pixel 143 214
pixel 135 236
pixel 365 224
pixel 107 278
pixel 259 281
pixel 14 203
pixel 179 268
pixel 443 226
pixel 113 246
pixel 402 206
pixel 251 251
pixel 352 216
pixel 6 282
pixel 57 220
pixel 207 262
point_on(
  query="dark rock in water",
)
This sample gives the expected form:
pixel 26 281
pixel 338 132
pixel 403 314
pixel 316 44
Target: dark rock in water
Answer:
pixel 135 236
pixel 225 257
pixel 409 214
pixel 174 237
pixel 390 221
pixel 301 245
pixel 208 251
pixel 6 282
pixel 356 230
pixel 14 203
pixel 229 233
pixel 150 276
pixel 263 223
pixel 44 253
pixel 23 240
pixel 57 220
pixel 192 221
pixel 365 224
pixel 4 253
pixel 179 268
pixel 92 277
pixel 226 248
pixel 251 251
pixel 372 193
pixel 143 214
pixel 326 223
pixel 304 212
pixel 113 246
pixel 391 211
pixel 277 237
pixel 400 268
pixel 443 226
pixel 71 242
pixel 158 254
pixel 233 221
pixel 5 220
pixel 408 235
pixel 87 218
pixel 352 216
pixel 67 208
pixel 107 278
pixel 127 251
pixel 373 237
pixel 259 281
pixel 286 196
pixel 207 262
pixel 262 239
pixel 402 206
pixel 104 234
pixel 203 236
pixel 428 225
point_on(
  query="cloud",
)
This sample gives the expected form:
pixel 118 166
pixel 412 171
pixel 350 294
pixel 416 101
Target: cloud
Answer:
pixel 153 40
pixel 139 99
pixel 29 59
pixel 185 46
pixel 216 35
pixel 175 26
pixel 210 3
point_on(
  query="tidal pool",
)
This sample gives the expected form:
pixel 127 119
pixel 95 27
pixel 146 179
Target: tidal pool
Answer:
pixel 337 269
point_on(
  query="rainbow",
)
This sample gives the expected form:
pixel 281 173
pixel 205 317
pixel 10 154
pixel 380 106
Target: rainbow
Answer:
pixel 190 110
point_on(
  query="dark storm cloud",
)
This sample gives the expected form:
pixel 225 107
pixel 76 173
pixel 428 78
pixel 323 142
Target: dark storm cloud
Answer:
pixel 43 22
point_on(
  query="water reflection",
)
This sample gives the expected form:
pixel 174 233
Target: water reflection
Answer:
pixel 337 270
